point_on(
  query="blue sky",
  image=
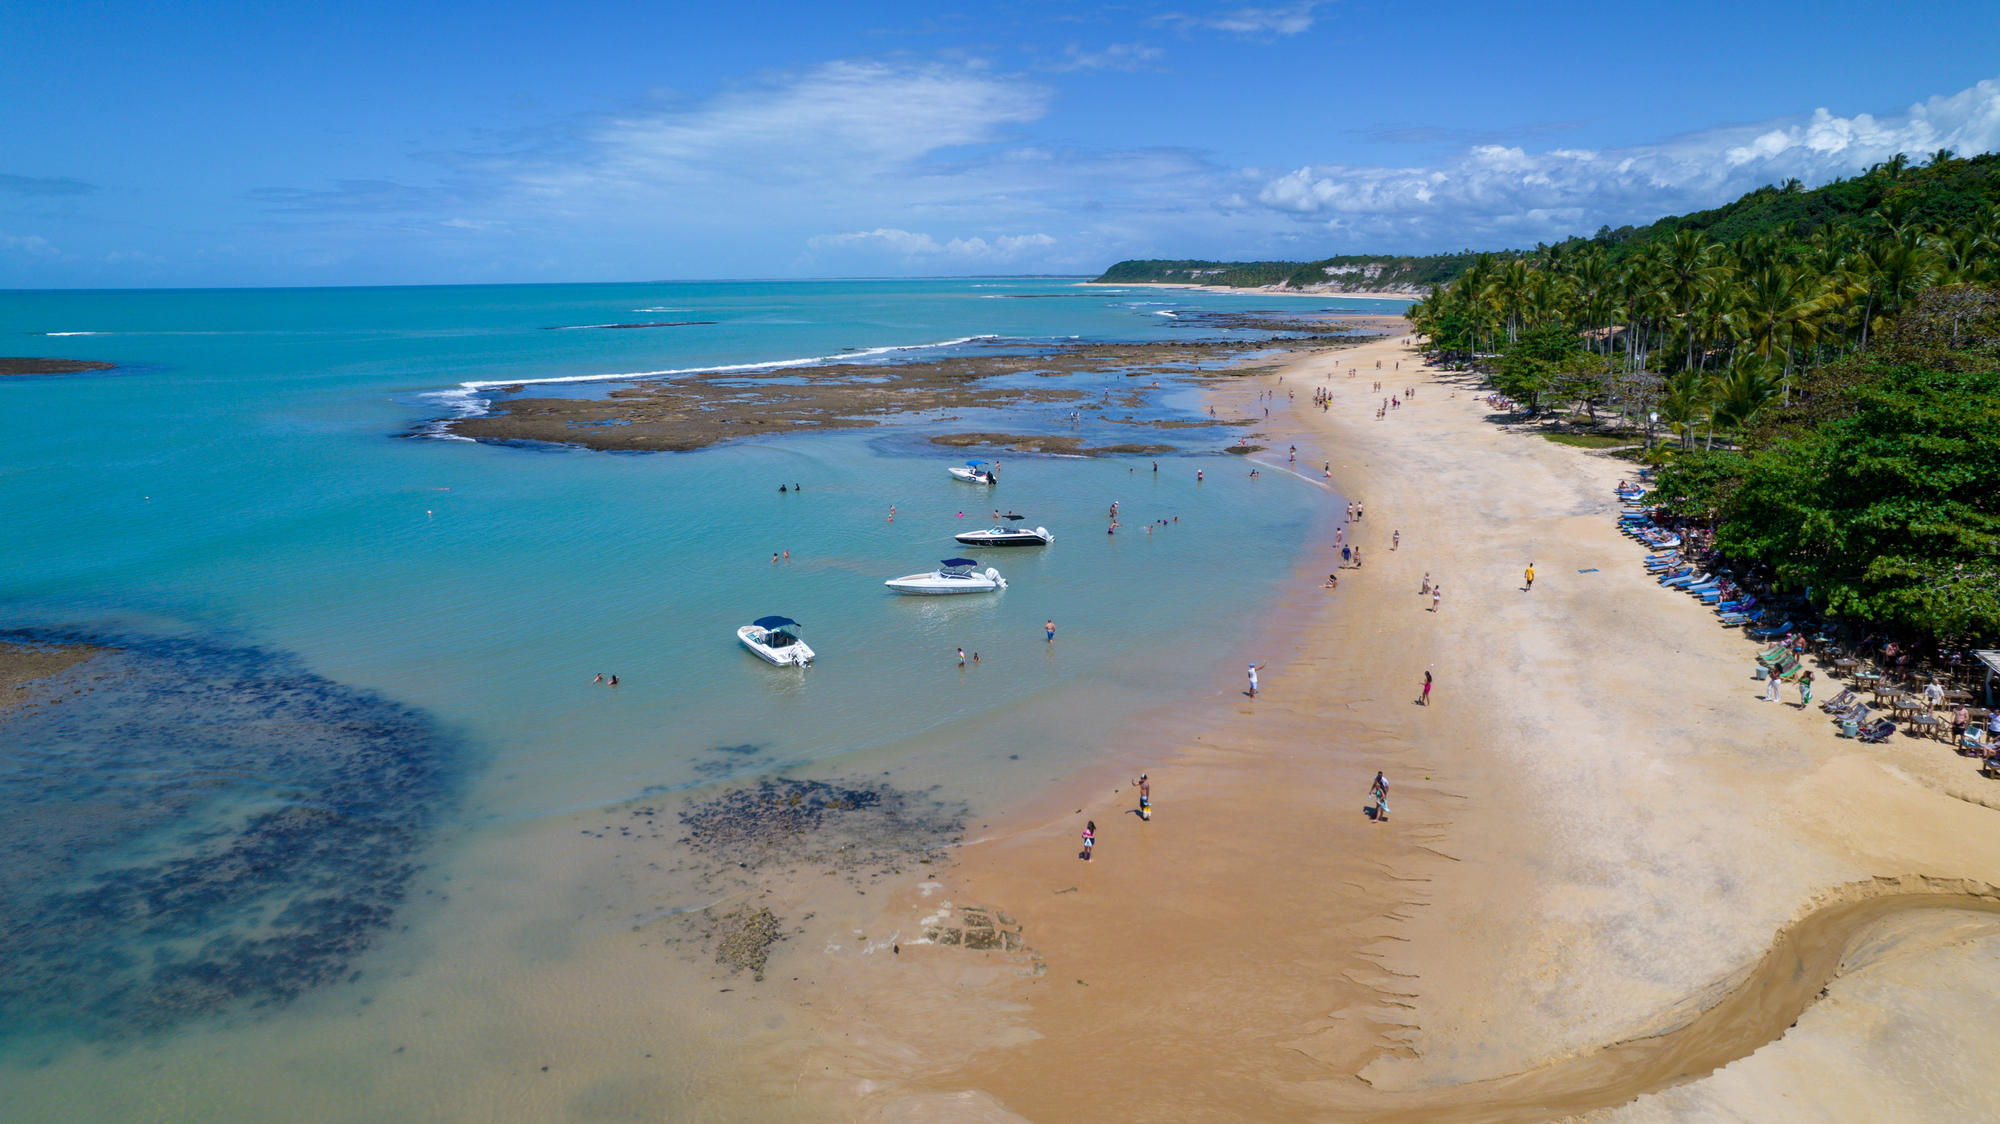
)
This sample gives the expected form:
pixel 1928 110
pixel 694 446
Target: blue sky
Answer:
pixel 367 143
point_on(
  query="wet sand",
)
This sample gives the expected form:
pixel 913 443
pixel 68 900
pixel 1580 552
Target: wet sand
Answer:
pixel 1599 835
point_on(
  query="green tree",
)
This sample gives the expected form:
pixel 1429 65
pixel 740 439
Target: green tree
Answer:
pixel 1532 361
pixel 1891 512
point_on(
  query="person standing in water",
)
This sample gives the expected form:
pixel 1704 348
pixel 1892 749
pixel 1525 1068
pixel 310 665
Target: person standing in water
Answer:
pixel 1051 628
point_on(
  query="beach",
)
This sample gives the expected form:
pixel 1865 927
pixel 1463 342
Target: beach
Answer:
pixel 1598 831
pixel 722 891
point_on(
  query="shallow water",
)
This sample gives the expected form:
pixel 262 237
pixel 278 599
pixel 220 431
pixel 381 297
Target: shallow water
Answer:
pixel 244 484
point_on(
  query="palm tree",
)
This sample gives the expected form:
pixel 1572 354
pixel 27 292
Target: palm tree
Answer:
pixel 1742 393
pixel 1689 259
pixel 1684 403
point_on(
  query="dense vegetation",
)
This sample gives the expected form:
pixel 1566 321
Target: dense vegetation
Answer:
pixel 1352 273
pixel 1844 345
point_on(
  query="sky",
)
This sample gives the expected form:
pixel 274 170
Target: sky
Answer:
pixel 207 143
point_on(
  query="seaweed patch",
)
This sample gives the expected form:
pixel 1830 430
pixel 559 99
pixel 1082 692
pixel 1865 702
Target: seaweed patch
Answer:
pixel 187 828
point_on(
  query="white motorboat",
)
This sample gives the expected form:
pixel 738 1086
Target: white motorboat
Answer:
pixel 1008 536
pixel 953 575
pixel 975 472
pixel 775 640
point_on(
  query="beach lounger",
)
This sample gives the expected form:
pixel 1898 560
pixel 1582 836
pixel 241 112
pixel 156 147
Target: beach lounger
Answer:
pixel 1875 735
pixel 1839 702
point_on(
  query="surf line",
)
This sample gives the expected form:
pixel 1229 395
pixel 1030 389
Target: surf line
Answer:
pixel 773 364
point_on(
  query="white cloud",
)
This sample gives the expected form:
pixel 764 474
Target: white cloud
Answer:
pixel 29 244
pixel 1291 19
pixel 1117 56
pixel 1501 191
pixel 1003 248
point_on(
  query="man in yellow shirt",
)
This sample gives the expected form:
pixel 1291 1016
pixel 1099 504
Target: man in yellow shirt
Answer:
pixel 1531 578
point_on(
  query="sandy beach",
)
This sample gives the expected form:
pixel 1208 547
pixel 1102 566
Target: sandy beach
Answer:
pixel 1610 869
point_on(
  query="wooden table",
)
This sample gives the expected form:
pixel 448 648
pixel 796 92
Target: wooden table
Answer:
pixel 1932 725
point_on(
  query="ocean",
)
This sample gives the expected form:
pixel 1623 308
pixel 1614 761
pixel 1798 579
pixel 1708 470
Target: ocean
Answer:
pixel 256 502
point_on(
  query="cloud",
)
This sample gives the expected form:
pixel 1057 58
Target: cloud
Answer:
pixel 33 244
pixel 1117 56
pixel 1497 191
pixel 1292 19
pixel 911 245
pixel 362 196
pixel 30 185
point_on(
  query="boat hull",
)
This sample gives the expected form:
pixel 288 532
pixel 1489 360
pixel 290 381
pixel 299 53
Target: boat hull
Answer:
pixel 795 654
pixel 1040 536
pixel 971 477
pixel 937 585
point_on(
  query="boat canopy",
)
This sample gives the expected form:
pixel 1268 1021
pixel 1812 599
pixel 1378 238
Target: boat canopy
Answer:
pixel 770 623
pixel 956 563
pixel 974 464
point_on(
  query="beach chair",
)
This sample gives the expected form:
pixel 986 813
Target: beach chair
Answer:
pixel 1839 702
pixel 1774 630
pixel 1877 734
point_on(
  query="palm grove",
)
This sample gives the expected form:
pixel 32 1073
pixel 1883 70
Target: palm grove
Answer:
pixel 1825 362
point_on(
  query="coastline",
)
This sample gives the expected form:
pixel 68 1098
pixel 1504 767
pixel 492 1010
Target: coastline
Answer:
pixel 1550 886
pixel 1264 290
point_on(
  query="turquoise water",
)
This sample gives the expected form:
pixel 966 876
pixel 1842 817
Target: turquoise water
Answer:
pixel 247 478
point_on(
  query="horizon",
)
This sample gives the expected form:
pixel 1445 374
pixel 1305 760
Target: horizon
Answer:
pixel 237 147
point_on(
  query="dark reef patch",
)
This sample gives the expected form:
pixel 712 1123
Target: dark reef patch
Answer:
pixel 848 827
pixel 188 828
pixel 22 365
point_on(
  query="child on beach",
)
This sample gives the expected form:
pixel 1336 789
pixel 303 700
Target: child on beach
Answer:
pixel 1332 582
pixel 1425 698
pixel 1145 798
pixel 1089 838
pixel 1530 575
pixel 1379 792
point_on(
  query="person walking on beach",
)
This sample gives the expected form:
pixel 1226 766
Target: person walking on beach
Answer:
pixel 1346 554
pixel 1253 679
pixel 1771 691
pixel 1805 689
pixel 1437 594
pixel 1050 628
pixel 1089 838
pixel 1425 698
pixel 1145 798
pixel 1357 557
pixel 1427 584
pixel 1379 792
pixel 1396 540
pixel 1530 575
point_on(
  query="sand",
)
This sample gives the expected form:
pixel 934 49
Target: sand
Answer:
pixel 1599 833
